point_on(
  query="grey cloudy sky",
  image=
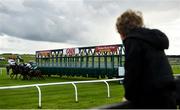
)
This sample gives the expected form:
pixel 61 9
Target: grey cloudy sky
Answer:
pixel 30 25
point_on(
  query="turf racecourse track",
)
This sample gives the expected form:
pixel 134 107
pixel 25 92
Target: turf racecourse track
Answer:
pixel 90 95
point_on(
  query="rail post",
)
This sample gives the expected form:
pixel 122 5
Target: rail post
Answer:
pixel 108 91
pixel 76 95
pixel 39 90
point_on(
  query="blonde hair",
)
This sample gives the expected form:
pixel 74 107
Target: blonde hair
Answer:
pixel 129 20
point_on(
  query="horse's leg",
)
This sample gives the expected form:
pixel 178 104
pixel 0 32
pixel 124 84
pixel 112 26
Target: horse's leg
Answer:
pixel 39 78
pixel 30 77
pixel 25 77
pixel 7 70
pixel 19 76
pixel 11 75
pixel 42 77
pixel 16 76
pixel 32 74
pixel 36 74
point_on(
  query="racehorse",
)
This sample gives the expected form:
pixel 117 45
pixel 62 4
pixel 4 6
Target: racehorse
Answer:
pixel 27 72
pixel 15 71
pixel 31 72
pixel 23 70
pixel 35 73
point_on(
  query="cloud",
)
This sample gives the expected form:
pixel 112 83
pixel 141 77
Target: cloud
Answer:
pixel 78 22
pixel 11 44
pixel 38 20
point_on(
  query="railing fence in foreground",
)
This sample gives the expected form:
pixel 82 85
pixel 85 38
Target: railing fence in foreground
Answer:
pixel 61 83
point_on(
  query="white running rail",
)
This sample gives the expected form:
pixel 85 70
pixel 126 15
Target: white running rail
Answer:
pixel 61 83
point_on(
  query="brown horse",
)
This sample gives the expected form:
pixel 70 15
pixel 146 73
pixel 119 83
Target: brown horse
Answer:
pixel 29 73
pixel 24 71
pixel 35 73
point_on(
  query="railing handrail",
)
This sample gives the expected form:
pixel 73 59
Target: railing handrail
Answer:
pixel 58 83
pixel 61 83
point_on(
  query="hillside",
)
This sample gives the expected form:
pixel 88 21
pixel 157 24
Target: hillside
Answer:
pixel 25 57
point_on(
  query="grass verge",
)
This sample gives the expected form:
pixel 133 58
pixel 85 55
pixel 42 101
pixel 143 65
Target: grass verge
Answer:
pixel 90 95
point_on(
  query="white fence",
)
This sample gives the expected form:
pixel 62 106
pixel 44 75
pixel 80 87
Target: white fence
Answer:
pixel 61 83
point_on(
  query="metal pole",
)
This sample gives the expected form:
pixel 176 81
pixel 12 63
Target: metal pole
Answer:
pixel 108 91
pixel 76 95
pixel 39 90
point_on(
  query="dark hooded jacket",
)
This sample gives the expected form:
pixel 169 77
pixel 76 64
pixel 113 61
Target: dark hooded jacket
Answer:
pixel 147 70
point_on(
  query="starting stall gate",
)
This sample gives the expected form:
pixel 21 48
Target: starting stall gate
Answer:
pixel 95 61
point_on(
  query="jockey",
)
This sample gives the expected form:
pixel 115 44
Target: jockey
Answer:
pixel 11 62
pixel 28 65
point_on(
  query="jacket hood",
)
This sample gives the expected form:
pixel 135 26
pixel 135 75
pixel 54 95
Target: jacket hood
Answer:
pixel 154 37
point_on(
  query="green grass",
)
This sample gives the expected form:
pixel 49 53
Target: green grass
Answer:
pixel 3 63
pixel 90 95
pixel 28 57
pixel 176 69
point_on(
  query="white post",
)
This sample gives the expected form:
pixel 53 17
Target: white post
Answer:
pixel 108 91
pixel 76 95
pixel 39 90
